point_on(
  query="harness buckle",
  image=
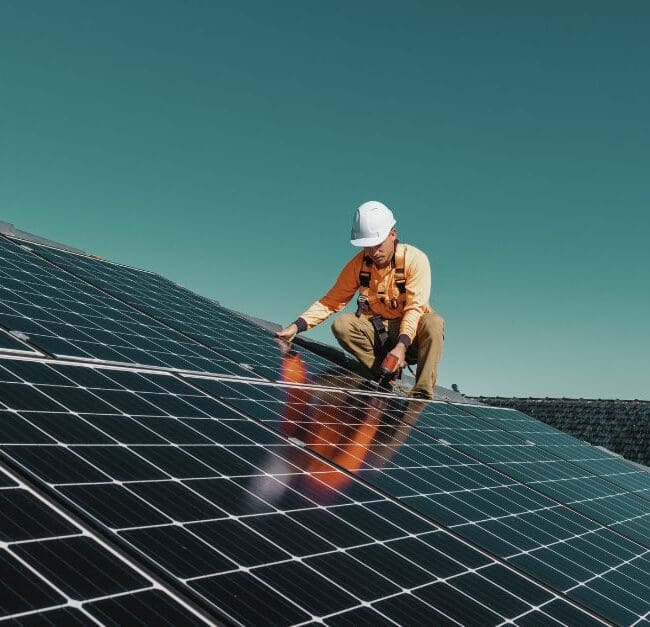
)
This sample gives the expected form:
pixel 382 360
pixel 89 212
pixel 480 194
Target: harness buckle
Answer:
pixel 362 305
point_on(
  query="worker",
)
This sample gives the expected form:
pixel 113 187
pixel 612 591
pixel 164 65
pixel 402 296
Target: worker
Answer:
pixel 393 316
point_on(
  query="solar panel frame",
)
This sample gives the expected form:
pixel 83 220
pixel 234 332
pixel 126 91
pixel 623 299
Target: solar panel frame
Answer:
pixel 65 316
pixel 578 530
pixel 274 579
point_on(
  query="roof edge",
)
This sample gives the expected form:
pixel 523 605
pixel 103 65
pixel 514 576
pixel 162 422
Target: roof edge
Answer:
pixel 483 397
pixel 8 229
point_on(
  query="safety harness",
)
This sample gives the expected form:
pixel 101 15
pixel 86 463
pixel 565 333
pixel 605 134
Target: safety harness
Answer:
pixel 394 298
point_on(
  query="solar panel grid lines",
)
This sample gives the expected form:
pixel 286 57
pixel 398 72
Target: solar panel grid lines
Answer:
pixel 200 318
pixel 645 621
pixel 522 469
pixel 613 468
pixel 621 519
pixel 618 500
pixel 56 572
pixel 65 316
pixel 463 406
pixel 548 547
pixel 223 505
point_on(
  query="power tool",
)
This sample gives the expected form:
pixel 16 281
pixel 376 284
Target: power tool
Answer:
pixel 387 371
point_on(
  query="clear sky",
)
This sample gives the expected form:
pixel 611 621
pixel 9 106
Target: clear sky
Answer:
pixel 227 144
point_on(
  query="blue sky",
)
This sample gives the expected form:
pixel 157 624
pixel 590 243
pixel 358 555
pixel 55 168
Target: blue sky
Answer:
pixel 226 146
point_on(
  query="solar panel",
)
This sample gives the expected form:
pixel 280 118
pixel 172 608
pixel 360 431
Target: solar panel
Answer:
pixel 622 509
pixel 64 316
pixel 599 462
pixel 252 527
pixel 374 438
pixel 53 572
pixel 204 320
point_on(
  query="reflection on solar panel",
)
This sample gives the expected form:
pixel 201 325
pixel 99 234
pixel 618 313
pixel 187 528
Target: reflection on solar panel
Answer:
pixel 64 316
pixel 253 528
pixel 11 344
pixel 435 469
pixel 201 319
pixel 51 572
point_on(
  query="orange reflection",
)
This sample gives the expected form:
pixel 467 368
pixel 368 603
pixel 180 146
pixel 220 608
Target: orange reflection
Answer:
pixel 327 429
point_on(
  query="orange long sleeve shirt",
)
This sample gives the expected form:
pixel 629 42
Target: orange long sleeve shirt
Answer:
pixel 418 289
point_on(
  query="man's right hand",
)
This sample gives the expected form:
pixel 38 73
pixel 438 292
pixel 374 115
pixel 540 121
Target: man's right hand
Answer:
pixel 288 333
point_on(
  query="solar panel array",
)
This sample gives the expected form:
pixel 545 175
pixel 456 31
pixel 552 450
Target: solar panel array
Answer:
pixel 173 485
pixel 597 461
pixel 199 318
pixel 66 317
pixel 235 514
pixel 433 475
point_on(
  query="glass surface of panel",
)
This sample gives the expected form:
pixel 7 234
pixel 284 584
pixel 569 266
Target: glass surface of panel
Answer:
pixel 566 470
pixel 66 317
pixel 52 572
pixel 230 334
pixel 257 529
pixel 416 452
pixel 598 462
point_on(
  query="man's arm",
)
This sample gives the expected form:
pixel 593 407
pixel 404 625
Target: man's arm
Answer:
pixel 336 298
pixel 418 291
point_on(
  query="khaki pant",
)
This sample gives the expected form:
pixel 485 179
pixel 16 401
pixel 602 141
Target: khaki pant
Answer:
pixel 358 336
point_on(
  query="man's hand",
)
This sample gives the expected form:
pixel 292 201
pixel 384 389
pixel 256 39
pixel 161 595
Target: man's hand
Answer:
pixel 288 333
pixel 400 352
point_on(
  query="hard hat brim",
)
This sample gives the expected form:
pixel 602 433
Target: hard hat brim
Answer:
pixel 367 242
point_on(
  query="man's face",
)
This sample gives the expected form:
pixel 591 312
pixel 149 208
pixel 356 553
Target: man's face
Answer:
pixel 383 253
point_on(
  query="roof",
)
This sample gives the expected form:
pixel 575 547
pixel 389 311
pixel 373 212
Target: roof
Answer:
pixel 163 459
pixel 621 426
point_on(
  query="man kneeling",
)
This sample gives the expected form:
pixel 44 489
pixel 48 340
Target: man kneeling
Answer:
pixel 393 314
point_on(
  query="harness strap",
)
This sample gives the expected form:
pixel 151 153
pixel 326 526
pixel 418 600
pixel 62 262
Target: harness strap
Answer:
pixel 400 275
pixel 364 273
pixel 397 262
pixel 378 324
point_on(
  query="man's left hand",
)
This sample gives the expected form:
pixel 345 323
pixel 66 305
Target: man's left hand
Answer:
pixel 399 351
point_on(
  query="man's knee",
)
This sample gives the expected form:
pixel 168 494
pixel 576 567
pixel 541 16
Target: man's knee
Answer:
pixel 342 325
pixel 431 324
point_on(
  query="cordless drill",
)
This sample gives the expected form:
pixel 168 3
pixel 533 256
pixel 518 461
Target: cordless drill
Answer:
pixel 387 370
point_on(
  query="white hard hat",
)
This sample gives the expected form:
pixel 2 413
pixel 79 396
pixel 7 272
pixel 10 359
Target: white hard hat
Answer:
pixel 372 224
